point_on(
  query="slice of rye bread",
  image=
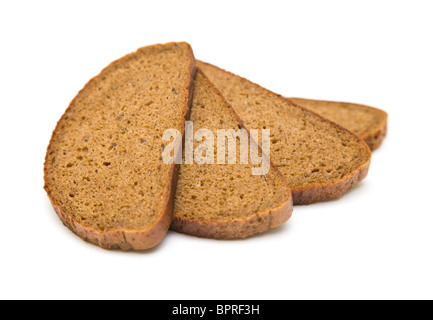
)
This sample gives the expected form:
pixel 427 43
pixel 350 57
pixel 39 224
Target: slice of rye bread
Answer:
pixel 226 201
pixel 320 159
pixel 369 123
pixel 103 172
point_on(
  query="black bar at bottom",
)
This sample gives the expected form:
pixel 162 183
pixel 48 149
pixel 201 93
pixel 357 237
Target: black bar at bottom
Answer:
pixel 251 309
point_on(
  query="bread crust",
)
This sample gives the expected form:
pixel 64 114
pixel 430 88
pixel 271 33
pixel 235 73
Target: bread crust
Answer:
pixel 235 228
pixel 332 190
pixel 328 190
pixel 125 239
pixel 242 227
pixel 375 136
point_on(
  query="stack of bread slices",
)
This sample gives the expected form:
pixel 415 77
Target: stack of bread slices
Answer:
pixel 109 182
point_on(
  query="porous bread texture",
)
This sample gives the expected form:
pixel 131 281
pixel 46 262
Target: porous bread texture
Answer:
pixel 320 159
pixel 103 169
pixel 369 123
pixel 225 201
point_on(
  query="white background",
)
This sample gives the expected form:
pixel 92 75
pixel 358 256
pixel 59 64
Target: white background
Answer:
pixel 375 243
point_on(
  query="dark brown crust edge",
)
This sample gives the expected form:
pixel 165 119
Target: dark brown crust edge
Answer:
pixel 235 228
pixel 126 239
pixel 375 136
pixel 326 191
pixel 329 191
pixel 242 227
pixel 336 189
